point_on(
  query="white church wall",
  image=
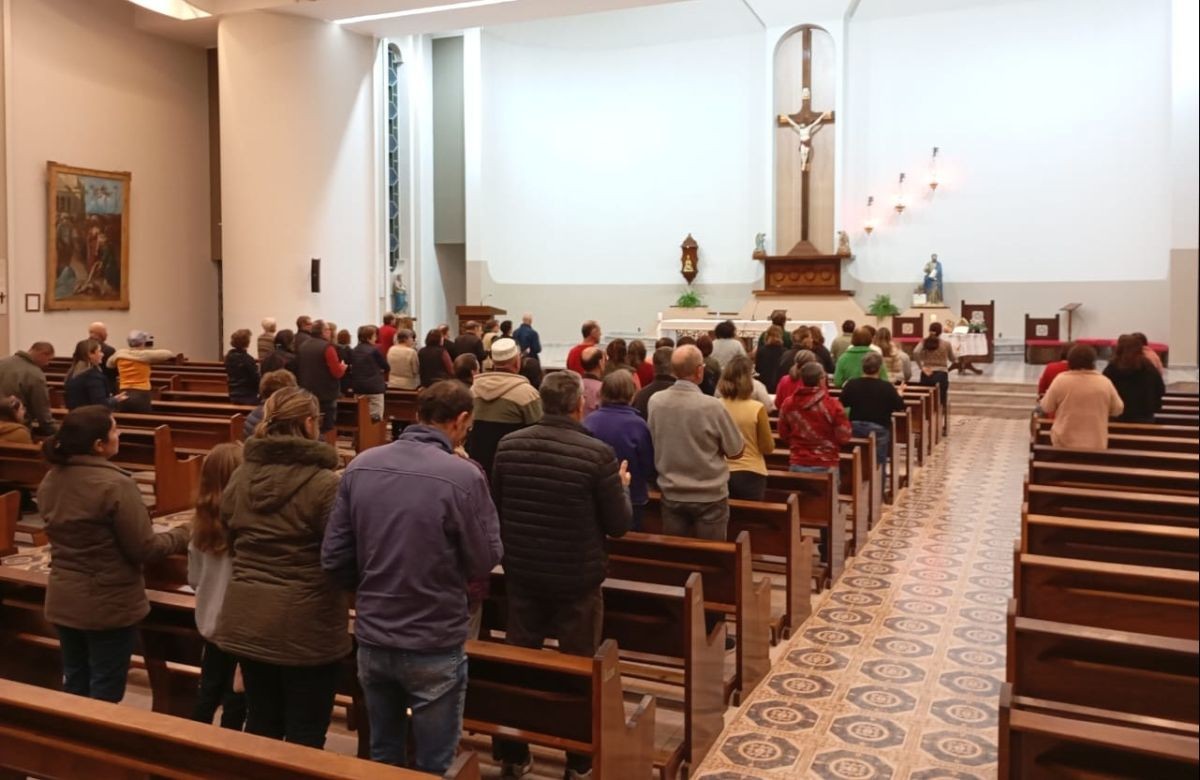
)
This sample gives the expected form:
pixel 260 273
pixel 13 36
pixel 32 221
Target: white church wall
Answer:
pixel 605 140
pixel 299 170
pixel 1185 130
pixel 1055 166
pixel 85 88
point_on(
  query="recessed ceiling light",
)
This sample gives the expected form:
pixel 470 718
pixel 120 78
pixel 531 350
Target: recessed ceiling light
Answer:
pixel 176 9
pixel 429 9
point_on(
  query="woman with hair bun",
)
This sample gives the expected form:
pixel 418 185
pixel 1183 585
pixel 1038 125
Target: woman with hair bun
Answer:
pixel 283 618
pixel 100 535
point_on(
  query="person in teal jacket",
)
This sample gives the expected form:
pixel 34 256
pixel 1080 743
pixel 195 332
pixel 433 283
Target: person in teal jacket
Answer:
pixel 849 365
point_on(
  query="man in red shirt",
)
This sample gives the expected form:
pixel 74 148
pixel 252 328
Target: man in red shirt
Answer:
pixel 591 338
pixel 387 333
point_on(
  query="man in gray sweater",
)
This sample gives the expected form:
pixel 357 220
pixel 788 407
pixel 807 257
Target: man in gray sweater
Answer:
pixel 693 438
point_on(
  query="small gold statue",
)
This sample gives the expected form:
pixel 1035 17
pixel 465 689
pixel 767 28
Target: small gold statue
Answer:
pixel 843 247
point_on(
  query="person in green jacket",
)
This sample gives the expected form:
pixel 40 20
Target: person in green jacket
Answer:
pixel 849 365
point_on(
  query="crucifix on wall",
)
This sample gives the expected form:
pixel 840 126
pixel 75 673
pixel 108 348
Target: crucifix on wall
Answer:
pixel 804 149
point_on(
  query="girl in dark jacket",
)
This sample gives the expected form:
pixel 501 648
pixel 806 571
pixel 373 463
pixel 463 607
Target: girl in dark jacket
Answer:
pixel 86 383
pixel 100 535
pixel 1138 382
pixel 241 370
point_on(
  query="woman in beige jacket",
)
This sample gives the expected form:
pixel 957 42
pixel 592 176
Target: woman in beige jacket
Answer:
pixel 1082 401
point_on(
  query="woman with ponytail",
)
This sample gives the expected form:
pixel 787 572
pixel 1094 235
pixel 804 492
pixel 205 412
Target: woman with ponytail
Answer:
pixel 100 535
pixel 283 618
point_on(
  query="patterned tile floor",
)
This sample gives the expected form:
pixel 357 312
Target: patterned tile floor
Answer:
pixel 898 673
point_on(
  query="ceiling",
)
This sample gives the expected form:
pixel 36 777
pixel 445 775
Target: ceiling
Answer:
pixel 709 13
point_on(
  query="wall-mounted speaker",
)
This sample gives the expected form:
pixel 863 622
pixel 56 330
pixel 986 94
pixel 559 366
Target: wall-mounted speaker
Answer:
pixel 316 274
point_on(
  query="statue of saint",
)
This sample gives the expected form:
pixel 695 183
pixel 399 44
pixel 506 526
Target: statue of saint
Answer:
pixel 933 281
pixel 760 245
pixel 843 247
pixel 399 296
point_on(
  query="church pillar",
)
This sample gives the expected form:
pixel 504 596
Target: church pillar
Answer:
pixel 300 167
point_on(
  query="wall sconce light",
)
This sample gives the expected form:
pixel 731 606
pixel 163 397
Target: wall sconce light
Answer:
pixel 869 225
pixel 901 204
pixel 933 171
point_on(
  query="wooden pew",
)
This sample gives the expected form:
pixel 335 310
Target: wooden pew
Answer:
pixel 777 543
pixel 1125 441
pixel 1104 669
pixel 1131 429
pixel 10 515
pixel 57 735
pixel 820 510
pixel 189 431
pixel 400 405
pixel 1111 541
pixel 562 702
pixel 1037 743
pixel 1135 459
pixel 902 436
pixel 1141 599
pixel 1179 483
pixel 657 626
pixel 541 696
pixel 1113 505
pixel 854 491
pixel 176 479
pixel 354 415
pixel 726 569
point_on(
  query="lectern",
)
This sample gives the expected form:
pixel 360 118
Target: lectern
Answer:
pixel 480 314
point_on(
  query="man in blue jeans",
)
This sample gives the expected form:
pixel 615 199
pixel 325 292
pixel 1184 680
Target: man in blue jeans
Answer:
pixel 413 522
pixel 870 402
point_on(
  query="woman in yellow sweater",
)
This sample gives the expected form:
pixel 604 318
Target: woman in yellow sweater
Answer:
pixel 747 473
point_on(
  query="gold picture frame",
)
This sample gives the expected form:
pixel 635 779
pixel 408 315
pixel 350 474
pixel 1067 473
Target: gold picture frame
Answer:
pixel 87 244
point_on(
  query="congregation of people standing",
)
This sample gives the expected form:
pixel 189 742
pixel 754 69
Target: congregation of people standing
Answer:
pixel 498 469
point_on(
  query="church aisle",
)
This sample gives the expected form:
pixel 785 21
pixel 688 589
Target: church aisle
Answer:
pixel 898 673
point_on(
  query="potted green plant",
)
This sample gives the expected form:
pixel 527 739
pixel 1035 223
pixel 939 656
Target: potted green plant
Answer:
pixel 882 307
pixel 689 300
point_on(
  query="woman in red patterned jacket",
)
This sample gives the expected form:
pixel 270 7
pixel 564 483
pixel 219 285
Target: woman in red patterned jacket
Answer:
pixel 814 424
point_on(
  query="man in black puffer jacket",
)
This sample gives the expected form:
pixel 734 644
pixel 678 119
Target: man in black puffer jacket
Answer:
pixel 559 491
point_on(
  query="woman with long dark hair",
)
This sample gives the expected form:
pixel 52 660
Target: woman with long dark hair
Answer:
pixel 1138 382
pixel 100 535
pixel 433 360
pixel 86 383
pixel 617 359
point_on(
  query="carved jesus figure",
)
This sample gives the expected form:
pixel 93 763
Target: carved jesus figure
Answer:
pixel 806 133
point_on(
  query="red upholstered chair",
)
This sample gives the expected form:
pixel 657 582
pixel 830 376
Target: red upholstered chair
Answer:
pixel 1104 347
pixel 1042 344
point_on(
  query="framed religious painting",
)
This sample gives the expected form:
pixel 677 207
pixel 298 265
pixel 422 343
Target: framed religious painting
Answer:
pixel 87 247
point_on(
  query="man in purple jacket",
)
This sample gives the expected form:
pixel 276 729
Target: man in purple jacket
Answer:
pixel 413 522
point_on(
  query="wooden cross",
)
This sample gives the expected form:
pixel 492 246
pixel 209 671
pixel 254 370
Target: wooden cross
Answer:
pixel 806 123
